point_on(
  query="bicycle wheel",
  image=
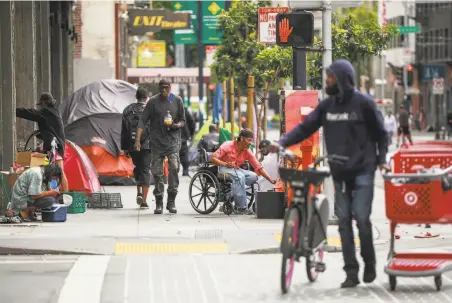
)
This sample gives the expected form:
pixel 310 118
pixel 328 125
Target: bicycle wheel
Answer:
pixel 289 242
pixel 311 262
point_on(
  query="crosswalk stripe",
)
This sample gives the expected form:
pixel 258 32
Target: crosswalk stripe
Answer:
pixel 85 280
pixel 126 248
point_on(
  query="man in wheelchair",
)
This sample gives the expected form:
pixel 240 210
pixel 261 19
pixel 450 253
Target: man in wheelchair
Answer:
pixel 229 157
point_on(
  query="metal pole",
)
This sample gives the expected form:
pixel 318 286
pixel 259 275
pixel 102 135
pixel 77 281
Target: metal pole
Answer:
pixel 406 44
pixel 200 57
pixel 299 69
pixel 327 60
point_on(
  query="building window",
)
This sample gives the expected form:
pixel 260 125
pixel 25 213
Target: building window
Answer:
pixel 397 41
pixel 448 40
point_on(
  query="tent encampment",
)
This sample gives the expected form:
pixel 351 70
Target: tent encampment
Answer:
pixel 92 118
pixel 79 170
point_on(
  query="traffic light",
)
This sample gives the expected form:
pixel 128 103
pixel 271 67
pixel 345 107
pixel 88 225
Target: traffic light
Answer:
pixel 409 75
pixel 295 29
pixel 399 75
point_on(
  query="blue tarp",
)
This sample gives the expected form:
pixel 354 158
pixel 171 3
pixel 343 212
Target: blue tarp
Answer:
pixel 217 103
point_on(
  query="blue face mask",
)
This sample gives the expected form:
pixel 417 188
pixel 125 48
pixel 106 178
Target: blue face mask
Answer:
pixel 53 185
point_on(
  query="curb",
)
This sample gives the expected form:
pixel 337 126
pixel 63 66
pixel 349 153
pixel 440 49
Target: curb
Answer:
pixel 5 251
pixel 276 250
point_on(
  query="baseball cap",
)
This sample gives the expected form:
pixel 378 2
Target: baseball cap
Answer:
pixel 265 143
pixel 164 82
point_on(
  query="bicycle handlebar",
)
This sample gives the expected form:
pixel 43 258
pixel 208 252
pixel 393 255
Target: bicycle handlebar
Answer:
pixel 337 159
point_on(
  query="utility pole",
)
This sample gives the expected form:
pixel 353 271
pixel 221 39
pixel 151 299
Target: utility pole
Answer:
pixel 406 44
pixel 327 60
pixel 200 58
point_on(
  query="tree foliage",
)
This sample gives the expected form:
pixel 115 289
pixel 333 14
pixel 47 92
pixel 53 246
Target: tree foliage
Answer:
pixel 273 62
pixel 355 35
pixel 237 52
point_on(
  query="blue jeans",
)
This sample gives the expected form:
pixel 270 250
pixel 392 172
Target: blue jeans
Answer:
pixel 240 179
pixel 354 199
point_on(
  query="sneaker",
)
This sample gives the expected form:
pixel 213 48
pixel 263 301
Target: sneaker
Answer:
pixel 369 274
pixel 139 200
pixel 144 205
pixel 350 282
pixel 243 211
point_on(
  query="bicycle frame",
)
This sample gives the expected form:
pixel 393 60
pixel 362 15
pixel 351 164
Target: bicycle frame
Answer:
pixel 305 203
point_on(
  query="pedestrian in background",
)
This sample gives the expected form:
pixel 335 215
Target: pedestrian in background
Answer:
pixel 390 125
pixel 404 126
pixel 188 131
pixel 165 114
pixel 141 158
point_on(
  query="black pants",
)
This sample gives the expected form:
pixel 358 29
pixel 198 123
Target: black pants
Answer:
pixel 44 203
pixel 183 155
pixel 142 162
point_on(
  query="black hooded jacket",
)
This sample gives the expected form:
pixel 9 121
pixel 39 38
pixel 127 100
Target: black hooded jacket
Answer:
pixel 50 125
pixel 352 126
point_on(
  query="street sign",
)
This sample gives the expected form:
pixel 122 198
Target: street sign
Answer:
pixel 211 31
pixel 295 29
pixel 406 55
pixel 409 29
pixel 142 21
pixel 431 71
pixel 438 86
pixel 267 23
pixel 186 36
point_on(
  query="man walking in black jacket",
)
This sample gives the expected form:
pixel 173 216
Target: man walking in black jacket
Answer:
pixel 165 114
pixel 353 128
pixel 188 131
pixel 50 125
pixel 141 158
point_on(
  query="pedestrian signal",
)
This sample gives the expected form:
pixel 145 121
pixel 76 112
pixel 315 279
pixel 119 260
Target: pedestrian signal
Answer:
pixel 295 29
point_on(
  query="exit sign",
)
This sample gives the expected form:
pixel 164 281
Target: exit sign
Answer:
pixel 409 29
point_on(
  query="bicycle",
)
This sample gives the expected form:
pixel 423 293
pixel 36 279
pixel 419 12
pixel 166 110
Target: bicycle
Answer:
pixel 304 231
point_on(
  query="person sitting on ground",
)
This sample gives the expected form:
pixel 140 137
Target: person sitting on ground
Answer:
pixel 50 125
pixel 229 157
pixel 32 191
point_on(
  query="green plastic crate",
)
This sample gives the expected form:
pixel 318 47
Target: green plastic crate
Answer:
pixel 79 200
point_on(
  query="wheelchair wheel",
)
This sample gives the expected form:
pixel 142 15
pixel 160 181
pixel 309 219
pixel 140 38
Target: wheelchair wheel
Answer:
pixel 203 192
pixel 250 197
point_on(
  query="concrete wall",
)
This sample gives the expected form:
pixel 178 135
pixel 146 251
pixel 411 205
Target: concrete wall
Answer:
pixel 95 58
pixel 34 48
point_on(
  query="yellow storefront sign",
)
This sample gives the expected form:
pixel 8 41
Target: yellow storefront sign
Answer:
pixel 152 54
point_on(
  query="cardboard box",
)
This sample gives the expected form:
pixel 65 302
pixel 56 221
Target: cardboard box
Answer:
pixel 31 159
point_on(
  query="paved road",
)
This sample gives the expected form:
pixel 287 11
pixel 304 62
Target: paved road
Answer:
pixel 192 278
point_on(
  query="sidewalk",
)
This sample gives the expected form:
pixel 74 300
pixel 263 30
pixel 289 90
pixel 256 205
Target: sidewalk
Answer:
pixel 134 231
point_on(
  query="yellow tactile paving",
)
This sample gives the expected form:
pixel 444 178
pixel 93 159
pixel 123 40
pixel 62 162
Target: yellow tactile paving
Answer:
pixel 332 241
pixel 130 248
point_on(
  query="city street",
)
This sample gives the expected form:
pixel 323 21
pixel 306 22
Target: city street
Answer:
pixel 132 256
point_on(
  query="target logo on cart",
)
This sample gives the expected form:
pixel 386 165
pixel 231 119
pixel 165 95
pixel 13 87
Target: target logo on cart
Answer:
pixel 411 198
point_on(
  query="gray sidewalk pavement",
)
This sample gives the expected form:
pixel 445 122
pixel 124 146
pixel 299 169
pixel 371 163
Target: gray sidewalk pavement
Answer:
pixel 134 231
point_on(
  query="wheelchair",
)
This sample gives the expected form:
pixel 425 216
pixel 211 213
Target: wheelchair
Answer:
pixel 208 188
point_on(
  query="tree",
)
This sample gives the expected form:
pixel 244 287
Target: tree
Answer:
pixel 356 35
pixel 235 56
pixel 273 63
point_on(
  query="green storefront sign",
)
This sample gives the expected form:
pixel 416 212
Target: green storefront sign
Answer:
pixel 409 29
pixel 211 33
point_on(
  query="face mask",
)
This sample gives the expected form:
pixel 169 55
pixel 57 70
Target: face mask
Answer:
pixel 332 91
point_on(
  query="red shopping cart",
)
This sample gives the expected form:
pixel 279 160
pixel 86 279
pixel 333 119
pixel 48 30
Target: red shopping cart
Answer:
pixel 417 194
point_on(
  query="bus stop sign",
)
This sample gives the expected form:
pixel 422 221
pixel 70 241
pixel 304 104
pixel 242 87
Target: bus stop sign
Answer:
pixel 295 29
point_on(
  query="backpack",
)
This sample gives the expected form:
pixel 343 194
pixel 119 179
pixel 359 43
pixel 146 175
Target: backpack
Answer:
pixel 132 119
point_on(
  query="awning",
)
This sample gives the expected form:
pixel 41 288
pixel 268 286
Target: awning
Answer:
pixel 174 75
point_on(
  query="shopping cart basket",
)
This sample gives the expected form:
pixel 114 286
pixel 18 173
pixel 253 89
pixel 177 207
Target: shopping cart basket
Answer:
pixel 420 155
pixel 418 198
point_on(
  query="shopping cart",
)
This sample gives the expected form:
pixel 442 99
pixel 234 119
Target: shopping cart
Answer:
pixel 419 191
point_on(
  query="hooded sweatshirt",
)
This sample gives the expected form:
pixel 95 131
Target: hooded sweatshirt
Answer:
pixel 352 125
